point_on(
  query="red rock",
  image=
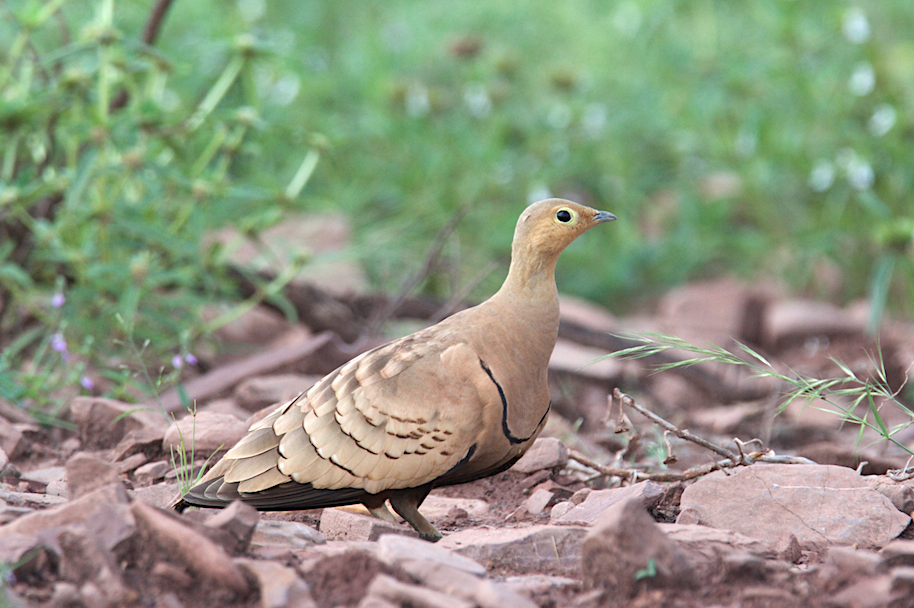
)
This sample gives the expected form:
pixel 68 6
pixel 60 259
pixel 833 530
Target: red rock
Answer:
pixel 86 473
pixel 395 550
pixel 280 586
pixel 179 542
pixel 598 501
pixel 541 549
pixel 238 520
pixel 104 422
pixel 713 543
pixel 292 534
pixel 819 504
pixel 337 524
pixel 545 453
pixel 74 511
pixel 257 393
pixel 401 594
pixel 204 433
pixel 795 320
pixel 625 551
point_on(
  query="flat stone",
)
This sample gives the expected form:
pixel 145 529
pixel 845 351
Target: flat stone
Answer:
pixel 873 592
pixel 898 553
pixel 152 472
pixel 86 473
pixel 436 507
pixel 852 563
pixel 57 488
pixel 204 433
pixel 45 475
pixel 280 586
pixel 626 542
pixel 714 543
pixel 402 594
pixel 459 583
pixel 337 524
pixel 545 453
pixel 796 320
pixel 719 310
pixel 29 500
pixel 537 502
pixel 819 504
pixel 257 393
pixel 160 495
pixel 104 422
pixel 539 548
pixel 269 532
pixel 597 501
pixel 74 511
pixel 394 549
pixel 131 463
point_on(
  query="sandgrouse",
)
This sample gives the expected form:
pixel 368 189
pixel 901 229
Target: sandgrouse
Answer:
pixel 454 402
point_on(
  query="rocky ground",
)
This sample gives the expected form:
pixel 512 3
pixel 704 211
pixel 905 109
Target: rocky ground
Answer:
pixel 590 517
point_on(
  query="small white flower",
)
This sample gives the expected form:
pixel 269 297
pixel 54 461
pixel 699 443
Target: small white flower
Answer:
pixel 856 26
pixel 862 80
pixel 860 174
pixel 477 100
pixel 883 119
pixel 822 176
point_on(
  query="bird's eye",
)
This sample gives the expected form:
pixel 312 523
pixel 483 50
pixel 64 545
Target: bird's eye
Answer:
pixel 563 215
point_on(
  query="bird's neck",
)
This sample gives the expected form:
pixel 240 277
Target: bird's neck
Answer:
pixel 530 288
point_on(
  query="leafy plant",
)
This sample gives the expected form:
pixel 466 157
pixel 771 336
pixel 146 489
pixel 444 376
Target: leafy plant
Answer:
pixel 853 399
pixel 110 180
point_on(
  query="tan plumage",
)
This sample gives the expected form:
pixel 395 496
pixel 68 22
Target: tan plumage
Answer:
pixel 454 402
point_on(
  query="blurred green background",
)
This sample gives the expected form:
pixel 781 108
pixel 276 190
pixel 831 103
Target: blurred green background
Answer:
pixel 761 139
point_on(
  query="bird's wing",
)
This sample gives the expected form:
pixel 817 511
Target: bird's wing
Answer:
pixel 399 416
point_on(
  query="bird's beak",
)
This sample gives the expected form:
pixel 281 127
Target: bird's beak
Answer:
pixel 603 216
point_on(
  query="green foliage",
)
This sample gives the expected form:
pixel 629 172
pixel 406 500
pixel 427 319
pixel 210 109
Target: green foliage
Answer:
pixel 110 178
pixel 853 399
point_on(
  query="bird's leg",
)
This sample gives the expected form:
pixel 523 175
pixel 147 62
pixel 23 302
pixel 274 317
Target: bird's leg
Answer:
pixel 377 506
pixel 384 513
pixel 406 504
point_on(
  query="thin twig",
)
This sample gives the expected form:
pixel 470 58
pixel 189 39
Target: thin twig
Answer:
pixel 681 433
pixel 730 461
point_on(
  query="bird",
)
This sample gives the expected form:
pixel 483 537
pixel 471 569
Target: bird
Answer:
pixel 448 404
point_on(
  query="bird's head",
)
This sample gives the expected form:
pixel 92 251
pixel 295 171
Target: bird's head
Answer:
pixel 547 227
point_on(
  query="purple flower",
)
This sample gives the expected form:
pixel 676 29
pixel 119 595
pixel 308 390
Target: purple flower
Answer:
pixel 59 343
pixel 177 361
pixel 58 300
pixel 86 383
pixel 190 358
